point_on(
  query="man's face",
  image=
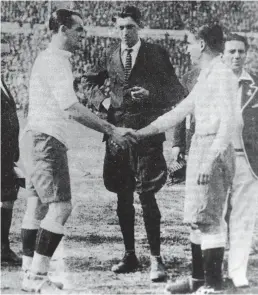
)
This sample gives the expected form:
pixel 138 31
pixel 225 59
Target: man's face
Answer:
pixel 75 34
pixel 234 55
pixel 128 29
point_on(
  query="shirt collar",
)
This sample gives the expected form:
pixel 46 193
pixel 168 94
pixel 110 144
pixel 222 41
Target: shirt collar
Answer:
pixel 245 76
pixel 64 53
pixel 134 48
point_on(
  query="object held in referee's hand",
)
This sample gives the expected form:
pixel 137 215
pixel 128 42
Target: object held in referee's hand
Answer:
pixel 176 171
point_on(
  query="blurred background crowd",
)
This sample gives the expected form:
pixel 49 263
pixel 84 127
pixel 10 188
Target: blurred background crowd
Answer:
pixel 237 16
pixel 176 15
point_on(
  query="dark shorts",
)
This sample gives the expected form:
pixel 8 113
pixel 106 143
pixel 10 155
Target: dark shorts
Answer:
pixel 47 169
pixel 141 168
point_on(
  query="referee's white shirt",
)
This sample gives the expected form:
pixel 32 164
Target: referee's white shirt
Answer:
pixel 51 93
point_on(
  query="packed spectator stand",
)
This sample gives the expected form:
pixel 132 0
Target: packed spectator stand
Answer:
pixel 176 15
pixel 238 16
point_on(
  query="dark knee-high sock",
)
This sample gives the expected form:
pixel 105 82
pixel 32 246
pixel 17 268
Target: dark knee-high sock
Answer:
pixel 151 216
pixel 28 237
pixel 126 215
pixel 197 262
pixel 213 259
pixel 46 244
pixel 6 221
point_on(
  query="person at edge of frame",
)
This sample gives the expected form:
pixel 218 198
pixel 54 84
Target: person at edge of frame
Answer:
pixel 52 103
pixel 211 161
pixel 143 86
pixel 242 203
pixel 11 181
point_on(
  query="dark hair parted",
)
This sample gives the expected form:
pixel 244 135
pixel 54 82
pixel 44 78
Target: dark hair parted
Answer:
pixel 130 11
pixel 212 34
pixel 62 17
pixel 236 37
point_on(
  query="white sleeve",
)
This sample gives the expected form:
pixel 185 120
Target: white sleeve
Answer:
pixel 60 78
pixel 176 115
pixel 225 89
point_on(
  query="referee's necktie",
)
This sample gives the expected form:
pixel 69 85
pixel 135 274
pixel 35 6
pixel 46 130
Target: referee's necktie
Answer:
pixel 128 65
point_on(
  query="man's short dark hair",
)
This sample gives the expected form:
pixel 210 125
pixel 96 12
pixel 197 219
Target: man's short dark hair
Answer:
pixel 236 37
pixel 212 34
pixel 62 17
pixel 130 11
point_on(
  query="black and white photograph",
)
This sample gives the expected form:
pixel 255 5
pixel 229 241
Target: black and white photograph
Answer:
pixel 129 147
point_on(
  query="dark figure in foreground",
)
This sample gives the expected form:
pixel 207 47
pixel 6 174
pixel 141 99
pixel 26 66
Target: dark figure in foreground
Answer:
pixel 9 156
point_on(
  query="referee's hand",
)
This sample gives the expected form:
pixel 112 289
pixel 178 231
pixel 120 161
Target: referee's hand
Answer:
pixel 124 137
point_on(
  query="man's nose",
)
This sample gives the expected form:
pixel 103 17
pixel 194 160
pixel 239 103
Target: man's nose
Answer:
pixel 236 55
pixel 125 31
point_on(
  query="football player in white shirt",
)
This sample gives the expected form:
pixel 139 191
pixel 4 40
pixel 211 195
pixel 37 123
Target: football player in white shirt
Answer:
pixel 210 167
pixel 52 103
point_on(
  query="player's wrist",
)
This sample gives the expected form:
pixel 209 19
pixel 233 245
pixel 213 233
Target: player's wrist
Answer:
pixel 109 129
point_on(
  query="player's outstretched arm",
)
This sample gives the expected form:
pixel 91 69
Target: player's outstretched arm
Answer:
pixel 85 117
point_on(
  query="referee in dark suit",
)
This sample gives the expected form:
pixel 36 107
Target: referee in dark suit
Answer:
pixel 9 155
pixel 143 86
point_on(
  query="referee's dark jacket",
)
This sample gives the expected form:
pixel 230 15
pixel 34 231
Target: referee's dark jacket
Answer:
pixel 143 167
pixel 152 71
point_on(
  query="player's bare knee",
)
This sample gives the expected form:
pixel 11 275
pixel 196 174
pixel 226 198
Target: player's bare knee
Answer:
pixel 35 208
pixel 56 217
pixel 41 211
pixel 35 212
pixel 60 211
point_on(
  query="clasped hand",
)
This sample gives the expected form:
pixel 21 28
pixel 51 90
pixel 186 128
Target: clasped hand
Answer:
pixel 139 93
pixel 124 137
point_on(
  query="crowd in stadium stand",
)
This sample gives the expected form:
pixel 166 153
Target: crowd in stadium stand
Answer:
pixel 234 15
pixel 33 12
pixel 162 15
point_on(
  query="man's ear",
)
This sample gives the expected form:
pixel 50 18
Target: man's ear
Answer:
pixel 141 25
pixel 203 45
pixel 62 29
